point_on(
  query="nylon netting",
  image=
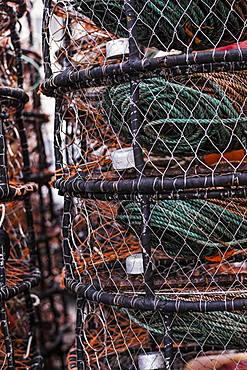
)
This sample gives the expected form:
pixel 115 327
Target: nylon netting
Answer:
pixel 31 321
pixel 150 146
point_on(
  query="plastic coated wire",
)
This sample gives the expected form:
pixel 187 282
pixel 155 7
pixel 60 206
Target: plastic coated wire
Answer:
pixel 200 24
pixel 189 228
pixel 177 119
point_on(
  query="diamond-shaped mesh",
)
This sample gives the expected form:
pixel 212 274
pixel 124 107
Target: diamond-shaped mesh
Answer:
pixel 182 25
pixel 150 146
pixel 20 333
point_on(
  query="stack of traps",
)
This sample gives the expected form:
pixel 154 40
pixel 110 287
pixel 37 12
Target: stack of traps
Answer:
pixel 32 318
pixel 150 150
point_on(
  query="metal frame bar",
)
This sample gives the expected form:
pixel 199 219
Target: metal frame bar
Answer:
pixel 140 188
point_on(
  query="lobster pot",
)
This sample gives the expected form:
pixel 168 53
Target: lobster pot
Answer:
pixel 150 150
pixel 18 269
pixel 52 311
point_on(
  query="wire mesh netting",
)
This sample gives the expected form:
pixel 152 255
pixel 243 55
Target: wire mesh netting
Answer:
pixel 171 24
pixel 27 313
pixel 18 271
pixel 150 147
pixel 52 307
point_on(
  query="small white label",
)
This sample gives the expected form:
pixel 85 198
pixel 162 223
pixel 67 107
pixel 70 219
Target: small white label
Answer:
pixel 117 48
pixel 151 361
pixel 123 158
pixel 134 264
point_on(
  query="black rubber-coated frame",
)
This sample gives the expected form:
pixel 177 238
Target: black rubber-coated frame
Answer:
pixel 142 188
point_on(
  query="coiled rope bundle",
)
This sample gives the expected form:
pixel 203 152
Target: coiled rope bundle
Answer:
pixel 195 228
pixel 200 24
pixel 214 328
pixel 233 85
pixel 178 119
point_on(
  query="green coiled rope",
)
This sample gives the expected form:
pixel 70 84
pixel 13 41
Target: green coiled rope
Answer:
pixel 214 328
pixel 196 228
pixel 199 24
pixel 177 119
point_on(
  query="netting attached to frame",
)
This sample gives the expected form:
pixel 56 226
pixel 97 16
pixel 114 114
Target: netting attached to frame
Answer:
pixel 150 146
